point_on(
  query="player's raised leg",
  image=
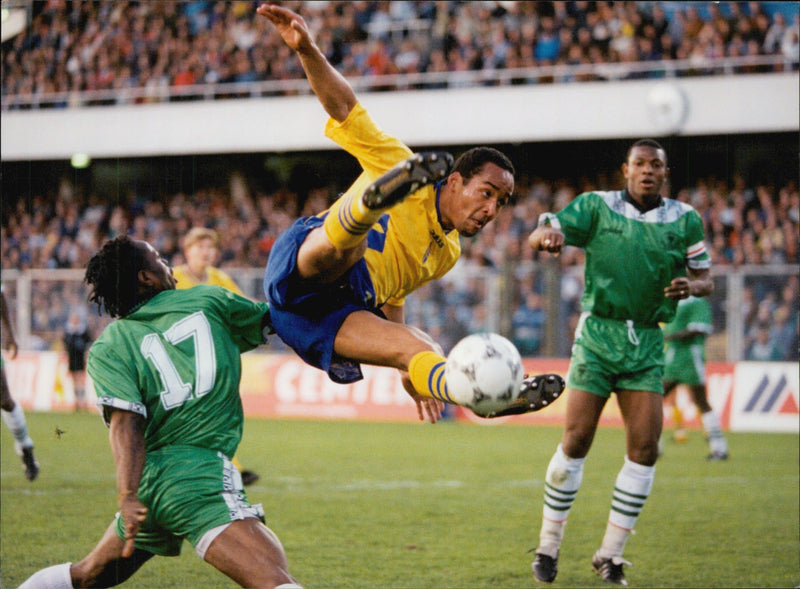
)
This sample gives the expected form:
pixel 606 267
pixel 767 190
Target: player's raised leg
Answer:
pixel 406 178
pixel 352 216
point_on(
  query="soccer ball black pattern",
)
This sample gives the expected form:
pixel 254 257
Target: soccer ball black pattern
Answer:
pixel 484 373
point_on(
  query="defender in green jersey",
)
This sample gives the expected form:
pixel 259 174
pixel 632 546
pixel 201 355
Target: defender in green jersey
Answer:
pixel 644 253
pixel 167 379
pixel 685 364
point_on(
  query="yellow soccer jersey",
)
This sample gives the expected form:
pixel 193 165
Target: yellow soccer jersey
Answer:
pixel 408 246
pixel 216 277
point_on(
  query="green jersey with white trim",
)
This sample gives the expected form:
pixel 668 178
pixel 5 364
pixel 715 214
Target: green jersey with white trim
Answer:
pixel 693 315
pixel 176 361
pixel 631 256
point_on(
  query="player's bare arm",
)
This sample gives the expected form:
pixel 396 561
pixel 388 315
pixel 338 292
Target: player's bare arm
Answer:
pixel 333 91
pixel 546 238
pixel 698 283
pixel 127 446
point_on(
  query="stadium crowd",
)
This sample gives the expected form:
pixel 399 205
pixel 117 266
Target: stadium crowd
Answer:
pixel 744 226
pixel 76 46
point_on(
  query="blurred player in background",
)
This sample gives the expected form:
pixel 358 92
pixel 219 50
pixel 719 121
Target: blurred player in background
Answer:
pixel 644 253
pixel 200 249
pixel 167 379
pixel 76 342
pixel 685 364
pixel 12 413
pixel 337 282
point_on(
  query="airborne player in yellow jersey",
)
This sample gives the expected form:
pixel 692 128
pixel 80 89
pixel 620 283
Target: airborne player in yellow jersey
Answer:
pixel 336 283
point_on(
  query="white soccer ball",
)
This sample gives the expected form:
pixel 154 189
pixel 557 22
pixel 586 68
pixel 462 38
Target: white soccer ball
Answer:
pixel 483 372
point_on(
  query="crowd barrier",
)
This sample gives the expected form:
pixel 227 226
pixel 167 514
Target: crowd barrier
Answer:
pixel 748 396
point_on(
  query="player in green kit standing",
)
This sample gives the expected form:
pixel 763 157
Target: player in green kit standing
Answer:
pixel 685 363
pixel 644 253
pixel 167 379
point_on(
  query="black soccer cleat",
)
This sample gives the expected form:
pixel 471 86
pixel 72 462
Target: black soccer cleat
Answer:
pixel 536 392
pixel 406 178
pixel 610 569
pixel 249 477
pixel 545 568
pixel 717 456
pixel 30 464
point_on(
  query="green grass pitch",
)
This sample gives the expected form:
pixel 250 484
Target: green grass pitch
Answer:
pixel 380 505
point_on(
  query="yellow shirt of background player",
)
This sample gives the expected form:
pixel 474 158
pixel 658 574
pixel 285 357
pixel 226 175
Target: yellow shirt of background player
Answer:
pixel 412 248
pixel 216 277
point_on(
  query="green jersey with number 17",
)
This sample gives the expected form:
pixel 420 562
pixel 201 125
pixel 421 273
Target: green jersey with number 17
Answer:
pixel 175 360
pixel 631 256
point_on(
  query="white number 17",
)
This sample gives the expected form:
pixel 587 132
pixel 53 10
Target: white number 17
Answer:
pixel 176 392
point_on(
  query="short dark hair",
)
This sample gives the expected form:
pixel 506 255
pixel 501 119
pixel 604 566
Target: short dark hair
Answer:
pixel 470 162
pixel 646 143
pixel 113 275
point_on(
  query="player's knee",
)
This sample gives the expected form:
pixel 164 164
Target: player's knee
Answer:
pixel 426 342
pixel 645 454
pixel 576 443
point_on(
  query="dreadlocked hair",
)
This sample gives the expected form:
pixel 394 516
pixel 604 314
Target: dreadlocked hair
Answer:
pixel 113 275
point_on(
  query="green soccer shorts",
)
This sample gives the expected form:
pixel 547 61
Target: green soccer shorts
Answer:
pixel 610 355
pixel 188 491
pixel 685 364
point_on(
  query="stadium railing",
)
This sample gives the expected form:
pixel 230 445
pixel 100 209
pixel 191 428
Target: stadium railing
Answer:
pixel 468 299
pixel 607 71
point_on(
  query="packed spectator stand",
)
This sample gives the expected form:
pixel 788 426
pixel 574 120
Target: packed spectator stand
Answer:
pixel 753 226
pixel 104 53
pixel 110 52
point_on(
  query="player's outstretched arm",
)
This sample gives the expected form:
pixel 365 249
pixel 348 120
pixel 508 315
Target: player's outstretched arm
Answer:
pixel 332 89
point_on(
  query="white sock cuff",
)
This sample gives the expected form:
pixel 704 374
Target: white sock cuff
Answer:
pixel 569 463
pixel 289 586
pixel 13 417
pixel 54 577
pixel 639 470
pixel 15 420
